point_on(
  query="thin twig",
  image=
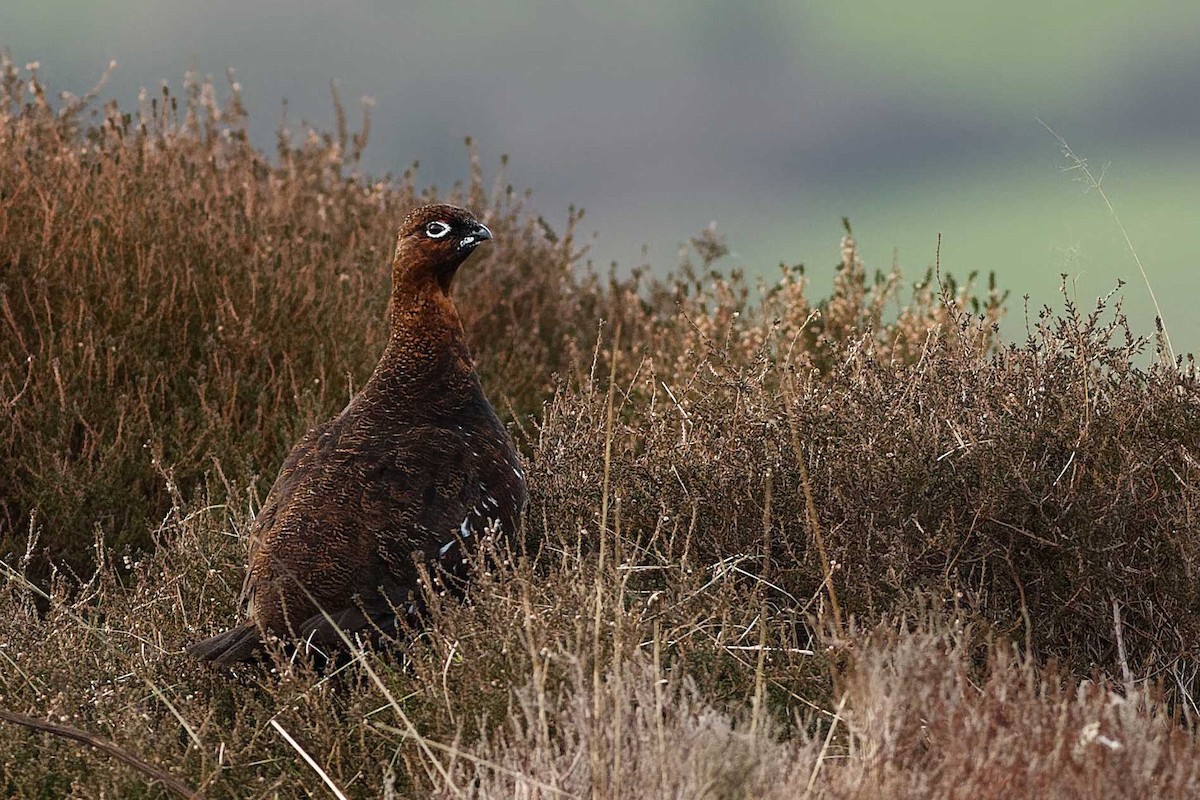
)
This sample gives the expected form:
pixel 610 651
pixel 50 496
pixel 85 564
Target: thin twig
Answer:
pixel 67 732
pixel 812 778
pixel 814 522
pixel 599 609
pixel 1126 673
pixel 1093 182
pixel 287 737
pixel 608 431
pixel 760 667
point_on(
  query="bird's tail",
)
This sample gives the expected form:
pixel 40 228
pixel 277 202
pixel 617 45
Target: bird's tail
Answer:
pixel 243 643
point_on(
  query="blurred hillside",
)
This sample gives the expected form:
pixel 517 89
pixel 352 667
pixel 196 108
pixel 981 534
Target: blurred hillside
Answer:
pixel 774 119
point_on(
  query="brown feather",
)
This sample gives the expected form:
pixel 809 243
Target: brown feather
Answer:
pixel 414 468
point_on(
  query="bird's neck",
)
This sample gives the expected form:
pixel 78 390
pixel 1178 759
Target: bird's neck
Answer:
pixel 427 347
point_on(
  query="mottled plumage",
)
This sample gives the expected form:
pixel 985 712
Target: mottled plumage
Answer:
pixel 414 468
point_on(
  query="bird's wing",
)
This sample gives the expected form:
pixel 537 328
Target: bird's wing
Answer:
pixel 440 477
pixel 421 503
pixel 301 459
pixel 353 515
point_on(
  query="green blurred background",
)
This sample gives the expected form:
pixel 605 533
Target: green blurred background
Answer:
pixel 773 119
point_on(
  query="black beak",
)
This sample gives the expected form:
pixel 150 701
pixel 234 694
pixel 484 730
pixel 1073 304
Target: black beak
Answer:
pixel 479 234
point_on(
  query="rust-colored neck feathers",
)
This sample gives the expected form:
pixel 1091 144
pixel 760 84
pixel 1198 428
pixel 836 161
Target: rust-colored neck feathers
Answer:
pixel 427 342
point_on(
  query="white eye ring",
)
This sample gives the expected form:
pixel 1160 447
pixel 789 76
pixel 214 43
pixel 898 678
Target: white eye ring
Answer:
pixel 436 230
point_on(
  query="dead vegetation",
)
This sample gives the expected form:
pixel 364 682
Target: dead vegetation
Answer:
pixel 992 592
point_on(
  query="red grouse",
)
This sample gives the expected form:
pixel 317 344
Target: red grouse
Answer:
pixel 416 467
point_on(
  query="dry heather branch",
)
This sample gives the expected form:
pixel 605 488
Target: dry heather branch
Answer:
pixel 168 780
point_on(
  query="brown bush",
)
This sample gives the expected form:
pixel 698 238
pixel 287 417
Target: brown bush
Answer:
pixel 919 719
pixel 177 307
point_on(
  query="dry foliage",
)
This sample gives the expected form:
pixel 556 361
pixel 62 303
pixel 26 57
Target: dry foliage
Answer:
pixel 1015 522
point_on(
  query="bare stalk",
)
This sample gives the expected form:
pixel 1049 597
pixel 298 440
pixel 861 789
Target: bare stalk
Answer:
pixel 1080 165
pixel 104 745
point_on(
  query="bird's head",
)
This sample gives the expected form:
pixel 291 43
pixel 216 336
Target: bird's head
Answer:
pixel 433 241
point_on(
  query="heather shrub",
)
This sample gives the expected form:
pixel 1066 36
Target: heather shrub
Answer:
pixel 858 545
pixel 920 718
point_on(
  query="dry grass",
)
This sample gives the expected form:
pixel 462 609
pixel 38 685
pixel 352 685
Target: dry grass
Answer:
pixel 919 718
pixel 1006 530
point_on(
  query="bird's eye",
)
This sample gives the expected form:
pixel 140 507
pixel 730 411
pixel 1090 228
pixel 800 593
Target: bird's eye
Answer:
pixel 436 230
